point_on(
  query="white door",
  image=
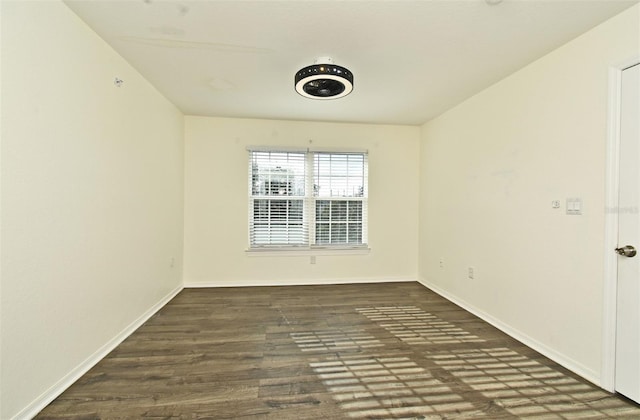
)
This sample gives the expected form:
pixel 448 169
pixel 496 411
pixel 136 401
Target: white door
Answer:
pixel 627 380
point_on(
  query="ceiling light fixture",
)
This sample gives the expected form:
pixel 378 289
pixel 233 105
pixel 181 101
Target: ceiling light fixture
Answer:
pixel 324 80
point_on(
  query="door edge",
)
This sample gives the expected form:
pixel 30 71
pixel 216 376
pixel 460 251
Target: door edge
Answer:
pixel 607 376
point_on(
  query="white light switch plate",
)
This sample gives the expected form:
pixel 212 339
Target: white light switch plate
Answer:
pixel 574 206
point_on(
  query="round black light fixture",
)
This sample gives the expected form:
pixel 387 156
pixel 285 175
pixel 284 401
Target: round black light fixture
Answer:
pixel 324 80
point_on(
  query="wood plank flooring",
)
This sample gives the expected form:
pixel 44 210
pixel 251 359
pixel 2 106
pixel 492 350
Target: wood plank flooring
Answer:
pixel 368 351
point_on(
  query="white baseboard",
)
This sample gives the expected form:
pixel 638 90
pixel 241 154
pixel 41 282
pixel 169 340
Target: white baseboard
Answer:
pixel 552 354
pixel 58 388
pixel 310 282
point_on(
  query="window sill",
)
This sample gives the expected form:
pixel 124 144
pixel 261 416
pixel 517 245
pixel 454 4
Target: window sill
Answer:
pixel 305 252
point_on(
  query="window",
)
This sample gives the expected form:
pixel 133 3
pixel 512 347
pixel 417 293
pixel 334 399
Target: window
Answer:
pixel 339 189
pixel 307 199
pixel 278 185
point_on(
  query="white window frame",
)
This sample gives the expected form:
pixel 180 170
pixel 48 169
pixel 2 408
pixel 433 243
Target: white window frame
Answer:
pixel 310 199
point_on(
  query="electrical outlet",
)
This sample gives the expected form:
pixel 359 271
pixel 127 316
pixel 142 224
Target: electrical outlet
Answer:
pixel 172 262
pixel 312 260
pixel 441 262
pixel 471 273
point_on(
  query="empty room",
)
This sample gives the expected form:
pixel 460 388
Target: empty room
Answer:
pixel 320 209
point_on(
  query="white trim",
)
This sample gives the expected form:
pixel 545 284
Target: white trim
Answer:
pixel 290 149
pixel 609 304
pixel 305 252
pixel 339 150
pixel 552 354
pixel 277 149
pixel 297 282
pixel 59 387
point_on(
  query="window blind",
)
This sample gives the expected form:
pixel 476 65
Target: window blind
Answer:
pixel 339 192
pixel 278 186
pixel 307 199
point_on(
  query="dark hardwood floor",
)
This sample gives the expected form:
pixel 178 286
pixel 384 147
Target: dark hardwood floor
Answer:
pixel 369 351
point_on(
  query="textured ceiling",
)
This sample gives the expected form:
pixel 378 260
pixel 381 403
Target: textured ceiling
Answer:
pixel 412 60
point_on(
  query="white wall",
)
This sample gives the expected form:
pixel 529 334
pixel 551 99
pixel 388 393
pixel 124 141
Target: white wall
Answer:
pixel 490 169
pixel 216 202
pixel 92 199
